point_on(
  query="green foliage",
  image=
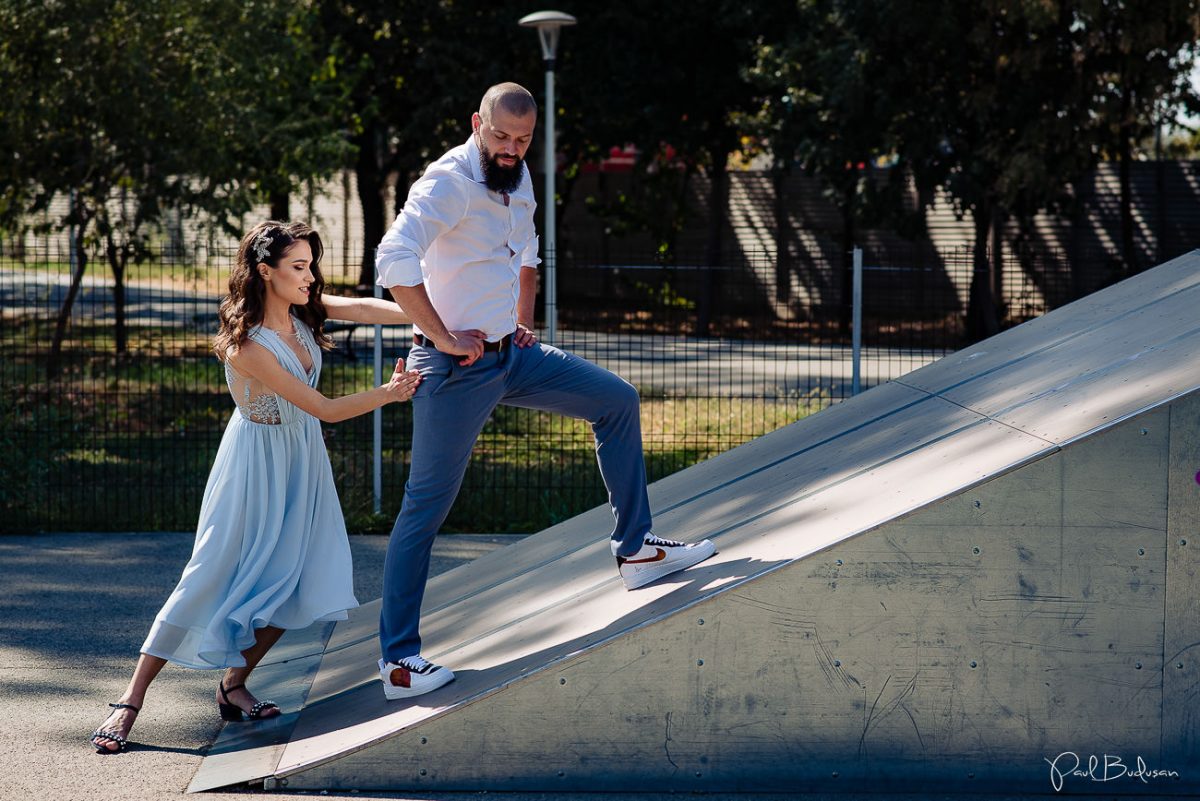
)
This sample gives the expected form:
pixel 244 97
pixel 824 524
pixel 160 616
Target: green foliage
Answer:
pixel 136 108
pixel 666 79
pixel 141 107
pixel 1003 104
pixel 1135 69
pixel 1136 66
pixel 655 73
pixel 198 106
pixel 664 295
pixel 824 98
pixel 33 435
pixel 655 204
pixel 412 73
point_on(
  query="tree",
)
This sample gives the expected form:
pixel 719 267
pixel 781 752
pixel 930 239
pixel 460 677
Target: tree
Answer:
pixel 824 102
pixel 997 120
pixel 413 72
pixel 1137 67
pixel 1016 100
pixel 685 89
pixel 136 107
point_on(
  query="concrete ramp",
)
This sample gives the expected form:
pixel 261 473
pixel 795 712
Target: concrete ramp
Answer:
pixel 979 577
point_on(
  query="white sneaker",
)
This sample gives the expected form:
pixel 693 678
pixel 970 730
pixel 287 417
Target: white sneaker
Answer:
pixel 411 676
pixel 658 558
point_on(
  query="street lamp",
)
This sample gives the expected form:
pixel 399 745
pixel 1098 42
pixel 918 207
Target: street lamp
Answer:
pixel 548 24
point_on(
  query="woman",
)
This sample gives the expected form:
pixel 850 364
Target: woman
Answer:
pixel 271 551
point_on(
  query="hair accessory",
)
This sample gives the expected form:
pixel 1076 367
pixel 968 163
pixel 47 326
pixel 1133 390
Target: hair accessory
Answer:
pixel 262 246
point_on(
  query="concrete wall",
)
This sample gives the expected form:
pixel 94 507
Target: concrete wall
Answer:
pixel 1046 614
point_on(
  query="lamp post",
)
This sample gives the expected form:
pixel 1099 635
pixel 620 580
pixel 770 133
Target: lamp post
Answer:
pixel 548 24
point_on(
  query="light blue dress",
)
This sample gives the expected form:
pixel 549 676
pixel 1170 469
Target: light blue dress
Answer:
pixel 271 547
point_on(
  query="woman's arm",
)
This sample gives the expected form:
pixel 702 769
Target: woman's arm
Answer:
pixel 254 360
pixel 365 310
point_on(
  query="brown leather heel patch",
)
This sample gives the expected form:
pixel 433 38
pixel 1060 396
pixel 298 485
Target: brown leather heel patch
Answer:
pixel 401 677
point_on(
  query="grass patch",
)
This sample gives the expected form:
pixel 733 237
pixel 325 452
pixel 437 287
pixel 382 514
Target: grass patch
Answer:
pixel 126 444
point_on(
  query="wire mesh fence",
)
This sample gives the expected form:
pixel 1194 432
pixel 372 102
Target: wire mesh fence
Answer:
pixel 100 439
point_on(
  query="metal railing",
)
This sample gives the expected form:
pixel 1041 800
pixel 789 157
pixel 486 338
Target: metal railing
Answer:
pixel 96 439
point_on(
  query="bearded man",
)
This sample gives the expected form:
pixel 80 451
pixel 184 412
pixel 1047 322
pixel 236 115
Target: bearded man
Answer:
pixel 461 259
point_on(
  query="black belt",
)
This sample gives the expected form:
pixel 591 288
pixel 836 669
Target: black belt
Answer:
pixel 488 347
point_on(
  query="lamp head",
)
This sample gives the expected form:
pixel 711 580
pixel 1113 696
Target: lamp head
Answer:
pixel 548 24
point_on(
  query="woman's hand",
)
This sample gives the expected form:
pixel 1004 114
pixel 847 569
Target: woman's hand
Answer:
pixel 403 383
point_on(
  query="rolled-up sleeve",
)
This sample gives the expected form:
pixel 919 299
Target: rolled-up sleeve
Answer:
pixel 529 256
pixel 435 205
pixel 526 234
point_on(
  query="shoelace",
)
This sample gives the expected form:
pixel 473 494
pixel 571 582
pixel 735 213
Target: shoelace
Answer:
pixel 417 664
pixel 653 540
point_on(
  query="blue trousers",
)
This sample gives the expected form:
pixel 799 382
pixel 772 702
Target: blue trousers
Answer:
pixel 449 410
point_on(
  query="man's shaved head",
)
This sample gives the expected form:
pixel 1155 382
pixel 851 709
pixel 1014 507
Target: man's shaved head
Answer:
pixel 509 97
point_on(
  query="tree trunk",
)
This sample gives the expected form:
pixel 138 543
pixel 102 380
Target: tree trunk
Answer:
pixel 372 186
pixel 280 206
pixel 981 305
pixel 783 282
pixel 54 362
pixel 718 202
pixel 118 257
pixel 1038 274
pixel 679 215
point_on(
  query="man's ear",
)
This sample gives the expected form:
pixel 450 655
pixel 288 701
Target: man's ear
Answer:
pixel 476 121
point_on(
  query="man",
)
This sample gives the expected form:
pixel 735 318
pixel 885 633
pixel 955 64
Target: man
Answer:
pixel 461 259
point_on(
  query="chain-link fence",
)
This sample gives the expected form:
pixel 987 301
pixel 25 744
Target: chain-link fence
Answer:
pixel 112 412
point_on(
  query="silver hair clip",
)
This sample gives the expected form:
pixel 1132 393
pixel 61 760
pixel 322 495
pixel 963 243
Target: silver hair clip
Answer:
pixel 262 246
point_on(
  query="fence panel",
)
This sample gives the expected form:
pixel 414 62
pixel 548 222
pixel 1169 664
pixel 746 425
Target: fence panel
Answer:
pixel 94 439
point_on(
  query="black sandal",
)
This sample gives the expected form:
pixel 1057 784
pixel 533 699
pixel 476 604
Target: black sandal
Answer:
pixel 233 713
pixel 115 736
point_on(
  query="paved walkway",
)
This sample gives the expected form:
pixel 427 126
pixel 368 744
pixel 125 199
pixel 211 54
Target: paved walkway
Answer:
pixel 74 609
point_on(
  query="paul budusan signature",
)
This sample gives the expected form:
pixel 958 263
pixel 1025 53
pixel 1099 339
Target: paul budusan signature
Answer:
pixel 1106 768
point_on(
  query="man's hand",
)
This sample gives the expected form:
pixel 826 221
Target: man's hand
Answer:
pixel 524 337
pixel 468 344
pixel 415 301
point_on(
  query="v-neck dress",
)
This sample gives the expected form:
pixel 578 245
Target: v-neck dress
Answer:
pixel 271 547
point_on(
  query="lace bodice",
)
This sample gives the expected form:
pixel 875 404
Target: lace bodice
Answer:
pixel 254 399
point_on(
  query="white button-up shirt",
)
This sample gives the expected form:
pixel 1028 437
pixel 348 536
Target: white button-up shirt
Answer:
pixel 465 242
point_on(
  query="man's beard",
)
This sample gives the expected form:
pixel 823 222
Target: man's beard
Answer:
pixel 496 177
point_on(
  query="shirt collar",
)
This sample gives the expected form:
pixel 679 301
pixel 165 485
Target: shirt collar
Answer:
pixel 477 171
pixel 473 157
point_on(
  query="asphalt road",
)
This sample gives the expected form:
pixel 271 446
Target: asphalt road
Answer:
pixel 74 609
pixel 659 364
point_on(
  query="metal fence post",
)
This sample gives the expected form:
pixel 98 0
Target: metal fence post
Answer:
pixel 377 419
pixel 856 379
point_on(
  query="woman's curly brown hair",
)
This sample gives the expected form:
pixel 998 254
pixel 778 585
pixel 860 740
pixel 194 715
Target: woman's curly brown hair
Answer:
pixel 242 308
